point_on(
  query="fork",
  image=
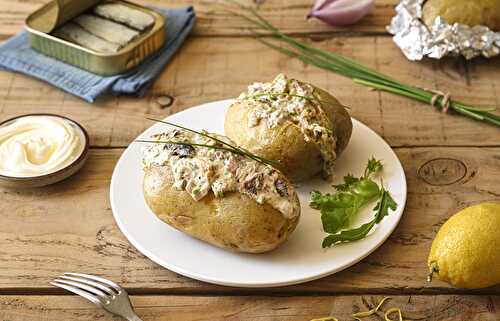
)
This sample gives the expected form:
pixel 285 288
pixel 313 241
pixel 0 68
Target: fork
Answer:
pixel 100 291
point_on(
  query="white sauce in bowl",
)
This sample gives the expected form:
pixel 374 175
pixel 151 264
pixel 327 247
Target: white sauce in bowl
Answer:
pixel 37 145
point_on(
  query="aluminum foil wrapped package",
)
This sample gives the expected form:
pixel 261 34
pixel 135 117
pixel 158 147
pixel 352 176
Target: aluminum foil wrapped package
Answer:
pixel 417 41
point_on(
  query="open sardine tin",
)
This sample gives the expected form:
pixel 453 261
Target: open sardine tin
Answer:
pixel 42 24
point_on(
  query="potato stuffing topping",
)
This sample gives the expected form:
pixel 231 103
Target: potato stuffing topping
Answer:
pixel 200 170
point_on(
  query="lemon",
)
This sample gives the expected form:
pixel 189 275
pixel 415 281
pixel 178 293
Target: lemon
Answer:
pixel 466 250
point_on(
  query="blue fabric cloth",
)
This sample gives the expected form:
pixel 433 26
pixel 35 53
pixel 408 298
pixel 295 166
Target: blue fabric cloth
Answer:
pixel 17 55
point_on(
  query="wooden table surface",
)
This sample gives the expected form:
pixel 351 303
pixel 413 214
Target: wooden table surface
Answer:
pixel 450 163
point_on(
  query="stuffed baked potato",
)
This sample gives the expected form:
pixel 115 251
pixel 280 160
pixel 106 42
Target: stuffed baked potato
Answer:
pixel 217 196
pixel 300 125
pixel 471 13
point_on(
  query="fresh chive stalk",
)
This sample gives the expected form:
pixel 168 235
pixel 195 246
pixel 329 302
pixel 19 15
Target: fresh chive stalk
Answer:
pixel 225 146
pixel 308 98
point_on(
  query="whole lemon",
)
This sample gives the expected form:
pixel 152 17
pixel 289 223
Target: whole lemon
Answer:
pixel 466 250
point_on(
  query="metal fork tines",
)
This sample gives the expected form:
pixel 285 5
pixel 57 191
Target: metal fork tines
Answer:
pixel 100 291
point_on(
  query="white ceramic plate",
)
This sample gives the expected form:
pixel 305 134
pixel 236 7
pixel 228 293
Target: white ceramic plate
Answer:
pixel 299 259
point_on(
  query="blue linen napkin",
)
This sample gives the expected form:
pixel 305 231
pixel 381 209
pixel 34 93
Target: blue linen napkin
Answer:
pixel 17 55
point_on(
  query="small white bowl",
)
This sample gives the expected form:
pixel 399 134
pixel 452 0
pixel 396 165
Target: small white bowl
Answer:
pixel 54 177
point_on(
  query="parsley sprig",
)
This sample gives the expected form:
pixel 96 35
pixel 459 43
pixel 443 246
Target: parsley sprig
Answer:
pixel 354 193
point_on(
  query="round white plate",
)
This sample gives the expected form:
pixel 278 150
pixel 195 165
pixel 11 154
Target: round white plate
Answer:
pixel 299 259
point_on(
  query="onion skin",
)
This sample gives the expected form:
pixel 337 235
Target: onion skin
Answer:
pixel 319 4
pixel 341 12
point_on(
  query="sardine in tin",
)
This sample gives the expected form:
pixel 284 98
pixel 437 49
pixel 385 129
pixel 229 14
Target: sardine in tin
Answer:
pixel 43 21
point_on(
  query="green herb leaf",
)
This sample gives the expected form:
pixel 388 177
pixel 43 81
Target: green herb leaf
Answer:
pixel 348 235
pixel 349 180
pixel 338 209
pixel 338 212
pixel 373 167
pixel 354 193
pixel 366 190
pixel 386 202
pixel 317 200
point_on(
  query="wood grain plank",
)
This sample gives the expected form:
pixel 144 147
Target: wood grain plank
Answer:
pixel 209 69
pixel 213 18
pixel 166 308
pixel 69 227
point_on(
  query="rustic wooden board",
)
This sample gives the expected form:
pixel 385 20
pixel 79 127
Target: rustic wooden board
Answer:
pixel 290 15
pixel 450 162
pixel 210 308
pixel 69 227
pixel 206 71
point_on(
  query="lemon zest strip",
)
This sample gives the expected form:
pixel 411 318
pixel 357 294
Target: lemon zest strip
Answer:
pixel 326 319
pixel 370 312
pixel 391 311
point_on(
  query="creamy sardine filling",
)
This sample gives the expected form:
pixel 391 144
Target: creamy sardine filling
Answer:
pixel 201 170
pixel 286 99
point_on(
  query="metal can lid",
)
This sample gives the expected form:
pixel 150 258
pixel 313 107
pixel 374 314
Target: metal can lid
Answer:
pixel 57 12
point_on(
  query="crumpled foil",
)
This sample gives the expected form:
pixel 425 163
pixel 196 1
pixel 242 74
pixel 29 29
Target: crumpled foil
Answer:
pixel 417 41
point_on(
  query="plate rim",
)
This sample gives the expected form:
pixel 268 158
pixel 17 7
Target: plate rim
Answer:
pixel 196 276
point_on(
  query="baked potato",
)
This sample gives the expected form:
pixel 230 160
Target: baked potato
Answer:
pixel 471 13
pixel 297 124
pixel 218 196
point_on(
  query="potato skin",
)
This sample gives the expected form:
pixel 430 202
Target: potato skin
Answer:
pixel 299 159
pixel 233 222
pixel 471 13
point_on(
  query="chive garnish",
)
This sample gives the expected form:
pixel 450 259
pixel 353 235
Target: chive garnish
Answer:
pixel 225 145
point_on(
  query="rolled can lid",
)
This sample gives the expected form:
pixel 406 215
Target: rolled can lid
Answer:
pixel 57 12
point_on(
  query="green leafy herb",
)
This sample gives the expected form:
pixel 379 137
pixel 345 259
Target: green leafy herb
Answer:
pixel 337 209
pixel 353 194
pixel 386 202
pixel 359 73
pixel 372 167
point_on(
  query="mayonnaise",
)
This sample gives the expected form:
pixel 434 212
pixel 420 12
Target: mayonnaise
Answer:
pixel 38 145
